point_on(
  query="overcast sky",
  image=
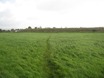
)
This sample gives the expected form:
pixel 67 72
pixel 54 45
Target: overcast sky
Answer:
pixel 51 13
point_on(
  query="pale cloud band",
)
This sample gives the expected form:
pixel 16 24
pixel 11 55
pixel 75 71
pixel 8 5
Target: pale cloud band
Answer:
pixel 51 13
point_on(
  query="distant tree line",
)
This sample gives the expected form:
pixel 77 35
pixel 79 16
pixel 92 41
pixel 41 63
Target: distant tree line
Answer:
pixel 40 29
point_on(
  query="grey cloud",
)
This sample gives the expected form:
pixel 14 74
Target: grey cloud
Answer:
pixel 8 24
pixel 6 21
pixel 55 5
pixel 4 15
pixel 3 1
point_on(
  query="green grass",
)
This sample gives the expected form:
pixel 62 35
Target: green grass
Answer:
pixel 51 55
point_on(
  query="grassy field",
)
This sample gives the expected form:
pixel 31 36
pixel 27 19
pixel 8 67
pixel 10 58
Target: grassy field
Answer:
pixel 51 55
